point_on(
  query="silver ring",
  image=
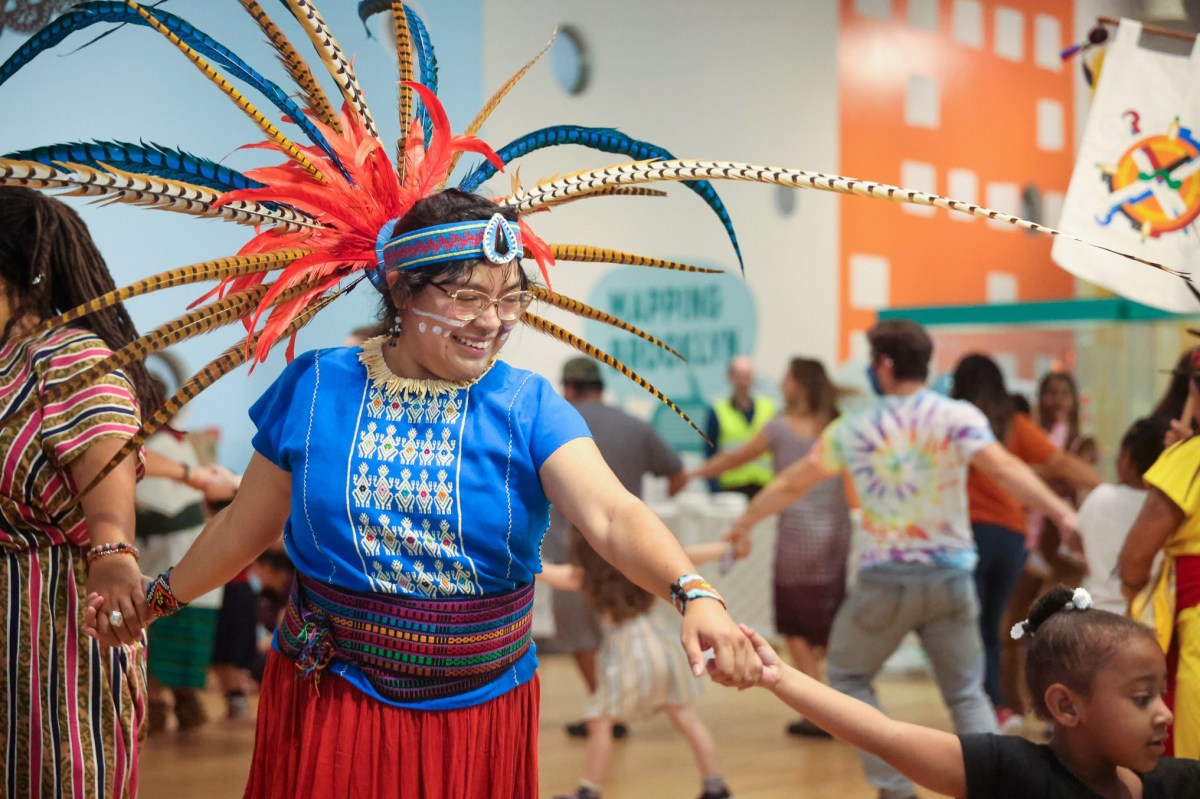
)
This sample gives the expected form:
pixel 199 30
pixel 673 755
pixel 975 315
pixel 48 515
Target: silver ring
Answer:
pixel 116 619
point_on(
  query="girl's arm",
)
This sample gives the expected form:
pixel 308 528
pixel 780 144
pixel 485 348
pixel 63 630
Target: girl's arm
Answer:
pixel 560 576
pixel 1158 518
pixel 1070 469
pixel 631 537
pixel 724 461
pixel 109 510
pixel 787 487
pixel 707 552
pixel 930 758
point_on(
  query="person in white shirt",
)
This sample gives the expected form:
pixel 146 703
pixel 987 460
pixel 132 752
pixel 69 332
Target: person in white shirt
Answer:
pixel 1107 514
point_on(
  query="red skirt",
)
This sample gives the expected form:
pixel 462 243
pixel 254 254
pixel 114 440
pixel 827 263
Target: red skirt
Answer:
pixel 342 744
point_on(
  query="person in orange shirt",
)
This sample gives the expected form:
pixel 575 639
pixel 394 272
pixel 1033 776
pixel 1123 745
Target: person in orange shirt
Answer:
pixel 997 519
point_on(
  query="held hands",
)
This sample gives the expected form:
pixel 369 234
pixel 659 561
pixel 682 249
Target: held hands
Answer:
pixel 707 625
pixel 115 584
pixel 739 537
pixel 772 670
pixel 218 483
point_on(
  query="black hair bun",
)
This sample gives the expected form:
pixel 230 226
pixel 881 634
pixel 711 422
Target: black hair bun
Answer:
pixel 1098 35
pixel 1049 603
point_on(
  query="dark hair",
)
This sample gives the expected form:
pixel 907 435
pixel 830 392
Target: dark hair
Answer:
pixel 820 394
pixel 451 205
pixel 1170 404
pixel 1073 418
pixel 1020 403
pixel 978 380
pixel 606 589
pixel 1070 646
pixel 1144 441
pixel 49 264
pixel 907 345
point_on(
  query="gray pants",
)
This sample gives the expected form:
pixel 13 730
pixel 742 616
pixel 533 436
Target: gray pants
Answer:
pixel 941 606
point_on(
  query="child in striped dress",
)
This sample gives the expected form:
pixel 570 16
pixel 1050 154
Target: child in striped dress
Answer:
pixel 641 668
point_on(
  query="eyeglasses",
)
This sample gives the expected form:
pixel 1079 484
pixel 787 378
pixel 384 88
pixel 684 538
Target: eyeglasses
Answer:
pixel 469 304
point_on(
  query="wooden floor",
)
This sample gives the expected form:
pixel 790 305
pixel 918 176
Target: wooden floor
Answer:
pixel 758 759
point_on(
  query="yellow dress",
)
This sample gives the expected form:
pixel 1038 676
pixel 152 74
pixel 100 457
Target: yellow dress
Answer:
pixel 1177 474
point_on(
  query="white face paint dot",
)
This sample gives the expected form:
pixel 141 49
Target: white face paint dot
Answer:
pixel 437 330
pixel 421 327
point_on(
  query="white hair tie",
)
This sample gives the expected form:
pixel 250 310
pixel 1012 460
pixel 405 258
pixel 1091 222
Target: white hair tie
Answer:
pixel 1080 600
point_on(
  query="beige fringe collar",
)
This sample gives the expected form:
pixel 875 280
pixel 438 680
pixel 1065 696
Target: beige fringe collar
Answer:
pixel 394 385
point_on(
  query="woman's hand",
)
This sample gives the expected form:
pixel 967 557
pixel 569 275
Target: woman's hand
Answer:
pixel 120 586
pixel 706 625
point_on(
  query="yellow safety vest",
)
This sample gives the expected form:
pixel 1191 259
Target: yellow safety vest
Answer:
pixel 733 431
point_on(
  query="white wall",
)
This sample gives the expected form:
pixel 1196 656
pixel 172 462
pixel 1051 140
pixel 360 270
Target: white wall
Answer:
pixel 705 79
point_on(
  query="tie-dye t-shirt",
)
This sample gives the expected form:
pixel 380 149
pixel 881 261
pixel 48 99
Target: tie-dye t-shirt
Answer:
pixel 908 457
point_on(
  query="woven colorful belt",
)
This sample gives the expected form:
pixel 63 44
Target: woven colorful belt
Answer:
pixel 409 649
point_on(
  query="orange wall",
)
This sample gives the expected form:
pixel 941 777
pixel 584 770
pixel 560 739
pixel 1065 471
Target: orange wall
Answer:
pixel 987 125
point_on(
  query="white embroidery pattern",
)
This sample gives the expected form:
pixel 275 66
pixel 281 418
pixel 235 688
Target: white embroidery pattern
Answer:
pixel 405 492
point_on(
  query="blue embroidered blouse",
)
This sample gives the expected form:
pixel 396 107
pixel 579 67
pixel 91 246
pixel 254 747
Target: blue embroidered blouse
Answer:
pixel 433 496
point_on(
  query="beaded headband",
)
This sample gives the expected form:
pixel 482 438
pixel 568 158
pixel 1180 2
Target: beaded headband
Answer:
pixel 496 240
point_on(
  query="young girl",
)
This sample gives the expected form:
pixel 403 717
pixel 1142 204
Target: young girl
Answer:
pixel 640 667
pixel 1096 676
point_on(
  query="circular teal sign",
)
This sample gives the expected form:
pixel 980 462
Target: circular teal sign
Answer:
pixel 708 319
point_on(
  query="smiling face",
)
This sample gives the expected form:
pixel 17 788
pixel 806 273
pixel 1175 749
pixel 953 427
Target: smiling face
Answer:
pixel 434 344
pixel 1124 717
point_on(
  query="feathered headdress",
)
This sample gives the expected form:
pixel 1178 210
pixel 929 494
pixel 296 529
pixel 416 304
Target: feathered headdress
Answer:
pixel 324 215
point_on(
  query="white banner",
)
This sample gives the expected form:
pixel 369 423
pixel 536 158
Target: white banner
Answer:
pixel 1136 184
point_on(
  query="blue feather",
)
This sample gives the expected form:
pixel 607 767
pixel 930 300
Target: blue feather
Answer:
pixel 87 14
pixel 422 50
pixel 607 140
pixel 146 159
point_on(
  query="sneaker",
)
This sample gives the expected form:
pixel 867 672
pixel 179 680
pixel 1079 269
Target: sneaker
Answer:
pixel 720 793
pixel 580 793
pixel 579 729
pixel 804 728
pixel 237 706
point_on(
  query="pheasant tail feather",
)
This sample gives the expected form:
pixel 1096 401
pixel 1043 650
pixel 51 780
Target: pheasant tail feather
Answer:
pixel 570 339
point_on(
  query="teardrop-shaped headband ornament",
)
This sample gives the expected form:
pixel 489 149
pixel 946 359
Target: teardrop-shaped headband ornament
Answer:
pixel 455 241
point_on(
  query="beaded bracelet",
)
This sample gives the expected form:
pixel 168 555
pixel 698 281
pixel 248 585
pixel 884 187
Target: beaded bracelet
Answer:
pixel 159 597
pixel 118 548
pixel 692 586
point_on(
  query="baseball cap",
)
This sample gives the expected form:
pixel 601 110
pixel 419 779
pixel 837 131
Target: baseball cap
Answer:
pixel 581 370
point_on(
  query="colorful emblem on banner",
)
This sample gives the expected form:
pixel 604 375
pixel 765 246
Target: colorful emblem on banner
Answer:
pixel 1156 182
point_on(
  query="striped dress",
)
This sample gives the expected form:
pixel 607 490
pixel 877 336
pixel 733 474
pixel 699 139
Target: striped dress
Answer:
pixel 71 710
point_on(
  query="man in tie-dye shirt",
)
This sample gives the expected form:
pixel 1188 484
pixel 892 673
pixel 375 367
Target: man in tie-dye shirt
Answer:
pixel 908 456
